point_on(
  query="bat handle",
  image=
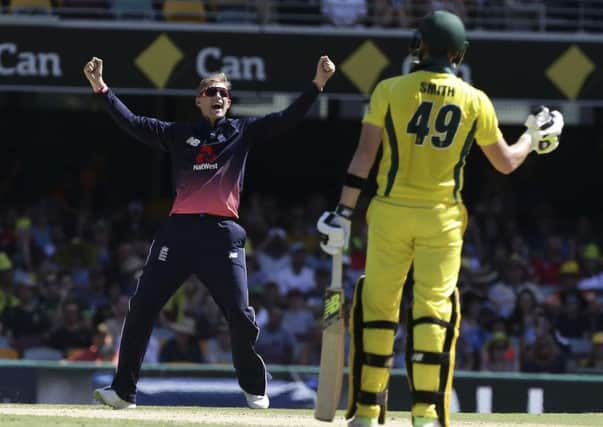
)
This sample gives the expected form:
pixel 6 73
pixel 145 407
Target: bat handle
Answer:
pixel 337 269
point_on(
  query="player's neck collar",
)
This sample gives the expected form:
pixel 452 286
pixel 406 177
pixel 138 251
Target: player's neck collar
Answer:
pixel 436 65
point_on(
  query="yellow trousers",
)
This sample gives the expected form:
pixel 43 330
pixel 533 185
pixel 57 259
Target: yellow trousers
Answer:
pixel 431 238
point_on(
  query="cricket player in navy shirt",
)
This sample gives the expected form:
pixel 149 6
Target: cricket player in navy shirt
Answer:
pixel 201 235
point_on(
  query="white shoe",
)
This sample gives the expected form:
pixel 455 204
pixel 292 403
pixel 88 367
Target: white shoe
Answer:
pixel 425 422
pixel 256 401
pixel 109 397
pixel 359 421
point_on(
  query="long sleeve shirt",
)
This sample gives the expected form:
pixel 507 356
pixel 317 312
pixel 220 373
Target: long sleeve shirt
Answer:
pixel 208 164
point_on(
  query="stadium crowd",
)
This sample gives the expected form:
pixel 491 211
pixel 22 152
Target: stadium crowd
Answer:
pixel 531 300
pixel 526 15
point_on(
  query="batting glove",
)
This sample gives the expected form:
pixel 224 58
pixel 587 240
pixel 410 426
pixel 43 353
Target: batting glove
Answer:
pixel 334 228
pixel 543 128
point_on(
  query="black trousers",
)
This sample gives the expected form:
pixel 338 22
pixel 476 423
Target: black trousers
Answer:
pixel 213 249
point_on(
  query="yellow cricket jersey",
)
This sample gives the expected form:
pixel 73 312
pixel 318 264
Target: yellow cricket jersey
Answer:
pixel 429 121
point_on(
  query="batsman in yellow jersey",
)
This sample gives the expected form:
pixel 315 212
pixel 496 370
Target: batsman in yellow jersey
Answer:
pixel 425 122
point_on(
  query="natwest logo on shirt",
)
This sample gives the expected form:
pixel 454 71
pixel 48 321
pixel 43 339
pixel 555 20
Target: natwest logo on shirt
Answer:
pixel 206 159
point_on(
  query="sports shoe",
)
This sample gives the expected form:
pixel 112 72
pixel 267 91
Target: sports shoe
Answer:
pixel 109 397
pixel 257 401
pixel 425 422
pixel 359 421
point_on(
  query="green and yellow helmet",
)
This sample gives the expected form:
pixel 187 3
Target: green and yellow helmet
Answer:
pixel 441 33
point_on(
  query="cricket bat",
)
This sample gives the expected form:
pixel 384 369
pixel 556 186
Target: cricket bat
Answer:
pixel 330 375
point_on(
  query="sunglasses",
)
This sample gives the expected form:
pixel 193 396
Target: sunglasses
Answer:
pixel 214 90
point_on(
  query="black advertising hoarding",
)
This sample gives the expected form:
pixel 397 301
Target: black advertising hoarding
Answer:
pixel 173 59
pixel 511 392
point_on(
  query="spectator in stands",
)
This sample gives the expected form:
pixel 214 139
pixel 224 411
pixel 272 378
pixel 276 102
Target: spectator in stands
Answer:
pixel 184 346
pixel 473 329
pixel 255 276
pixel 541 348
pixel 573 318
pixel 132 224
pixel 301 230
pixel 272 254
pixel 574 323
pixel 271 296
pixel 298 319
pixel 344 13
pixel 502 294
pixel 309 352
pixel 73 332
pixel 27 321
pixel 95 296
pixel 569 275
pixel 185 301
pixel 546 267
pixel 201 306
pixel 296 275
pixel 218 348
pixel 499 354
pixel 522 318
pixel 275 343
pixel 101 349
pixel 590 261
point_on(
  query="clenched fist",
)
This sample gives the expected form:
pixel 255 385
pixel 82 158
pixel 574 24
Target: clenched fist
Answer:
pixel 93 70
pixel 324 70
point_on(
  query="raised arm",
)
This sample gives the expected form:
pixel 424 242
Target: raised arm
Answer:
pixel 276 123
pixel 147 130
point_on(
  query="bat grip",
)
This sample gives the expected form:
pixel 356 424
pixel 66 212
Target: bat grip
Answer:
pixel 336 272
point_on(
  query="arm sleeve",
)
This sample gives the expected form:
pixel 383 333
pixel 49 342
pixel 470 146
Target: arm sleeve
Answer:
pixel 147 130
pixel 487 131
pixel 276 123
pixel 375 115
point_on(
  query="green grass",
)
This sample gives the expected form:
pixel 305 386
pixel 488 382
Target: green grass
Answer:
pixel 594 420
pixel 13 415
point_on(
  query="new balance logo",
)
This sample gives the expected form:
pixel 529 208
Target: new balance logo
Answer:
pixel 163 253
pixel 233 255
pixel 192 141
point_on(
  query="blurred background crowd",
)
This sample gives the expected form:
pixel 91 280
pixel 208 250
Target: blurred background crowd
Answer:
pixel 532 293
pixel 525 15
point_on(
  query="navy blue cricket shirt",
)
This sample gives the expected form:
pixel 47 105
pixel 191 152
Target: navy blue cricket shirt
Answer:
pixel 208 164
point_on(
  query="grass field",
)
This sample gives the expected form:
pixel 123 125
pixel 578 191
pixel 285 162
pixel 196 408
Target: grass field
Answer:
pixel 12 415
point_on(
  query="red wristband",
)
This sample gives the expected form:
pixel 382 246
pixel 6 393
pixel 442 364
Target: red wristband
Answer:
pixel 103 89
